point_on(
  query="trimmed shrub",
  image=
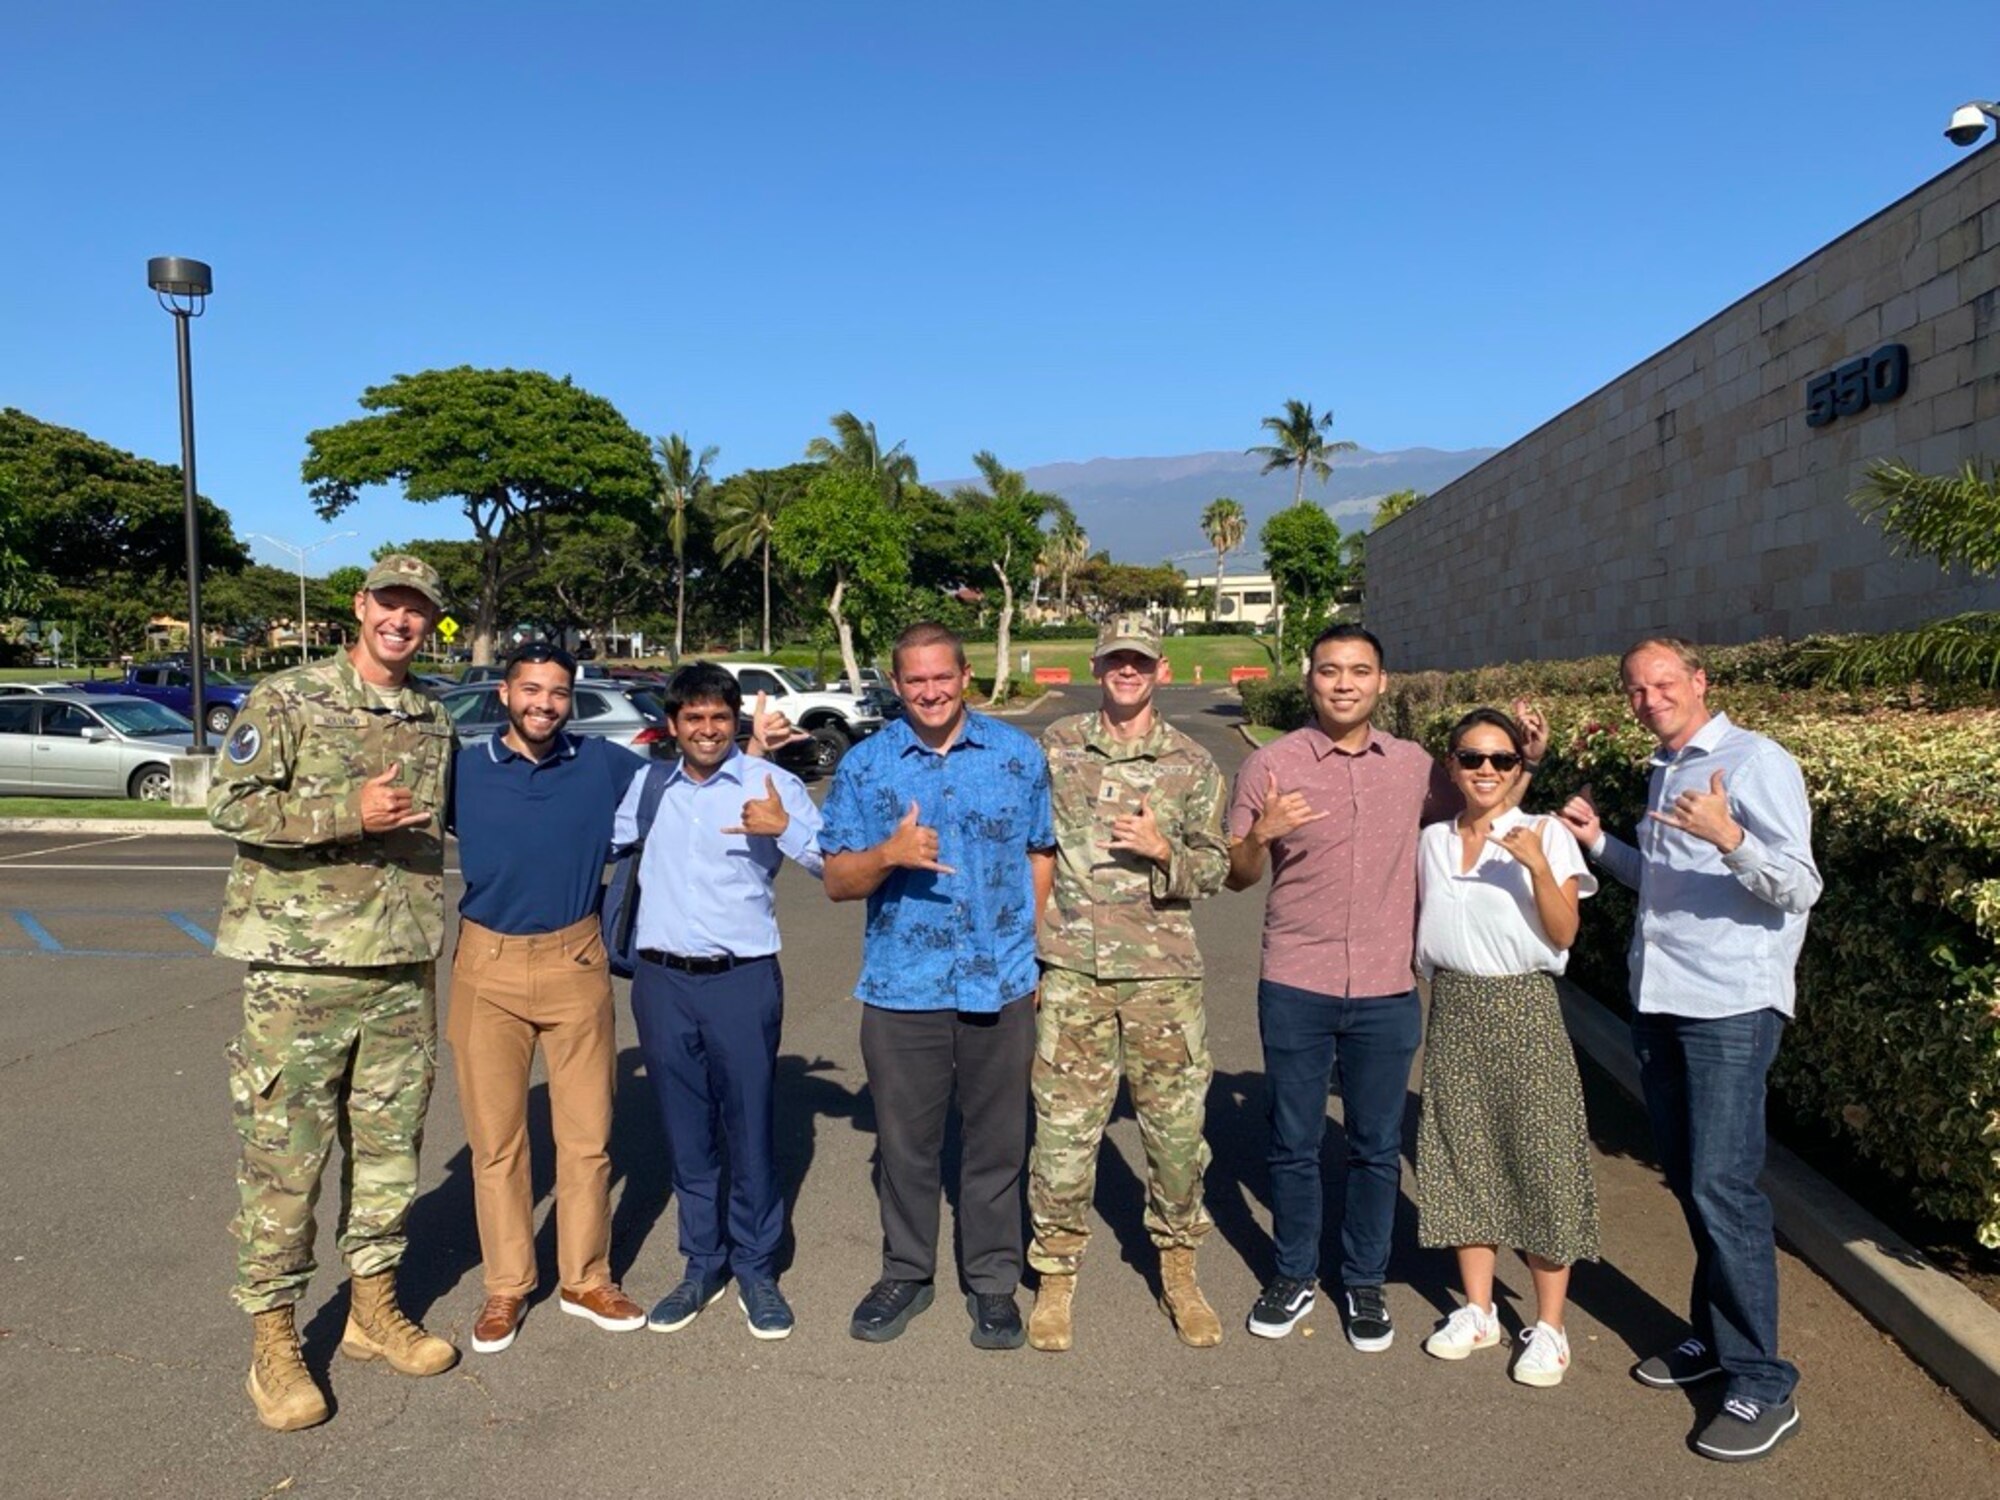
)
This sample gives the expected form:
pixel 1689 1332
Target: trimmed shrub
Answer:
pixel 1279 703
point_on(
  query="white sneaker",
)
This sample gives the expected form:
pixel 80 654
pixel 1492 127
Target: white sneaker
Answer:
pixel 1544 1356
pixel 1467 1329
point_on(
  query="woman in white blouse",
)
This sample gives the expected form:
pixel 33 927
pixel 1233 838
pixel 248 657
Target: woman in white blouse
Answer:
pixel 1503 1154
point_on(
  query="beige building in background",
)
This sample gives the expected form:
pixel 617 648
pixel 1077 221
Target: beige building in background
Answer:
pixel 1694 495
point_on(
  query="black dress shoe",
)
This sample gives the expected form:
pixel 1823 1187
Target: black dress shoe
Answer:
pixel 996 1321
pixel 887 1309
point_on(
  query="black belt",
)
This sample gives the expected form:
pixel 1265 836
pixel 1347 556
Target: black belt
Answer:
pixel 719 963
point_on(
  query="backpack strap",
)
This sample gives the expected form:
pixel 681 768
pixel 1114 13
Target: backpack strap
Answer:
pixel 650 793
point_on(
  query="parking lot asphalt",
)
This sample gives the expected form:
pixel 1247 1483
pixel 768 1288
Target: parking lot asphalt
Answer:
pixel 122 1360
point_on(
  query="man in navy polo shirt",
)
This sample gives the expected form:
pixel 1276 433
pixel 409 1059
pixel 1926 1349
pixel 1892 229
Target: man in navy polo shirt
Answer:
pixel 532 809
pixel 708 995
pixel 943 823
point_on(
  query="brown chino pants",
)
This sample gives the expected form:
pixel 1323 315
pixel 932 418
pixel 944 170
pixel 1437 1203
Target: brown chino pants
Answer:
pixel 508 994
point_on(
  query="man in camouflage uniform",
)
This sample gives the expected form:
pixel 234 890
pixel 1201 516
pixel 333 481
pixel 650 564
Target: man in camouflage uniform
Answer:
pixel 1138 815
pixel 332 781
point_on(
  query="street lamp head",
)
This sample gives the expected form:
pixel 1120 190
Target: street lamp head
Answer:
pixel 182 284
pixel 1968 121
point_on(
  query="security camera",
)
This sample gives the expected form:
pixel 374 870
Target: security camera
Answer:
pixel 1968 122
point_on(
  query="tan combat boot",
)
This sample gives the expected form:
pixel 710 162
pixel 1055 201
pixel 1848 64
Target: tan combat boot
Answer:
pixel 280 1385
pixel 376 1326
pixel 1194 1319
pixel 1048 1324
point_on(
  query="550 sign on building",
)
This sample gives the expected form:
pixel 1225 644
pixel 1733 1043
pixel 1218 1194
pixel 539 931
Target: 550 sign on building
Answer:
pixel 1864 381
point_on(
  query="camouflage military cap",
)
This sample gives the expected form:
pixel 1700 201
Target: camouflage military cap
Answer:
pixel 399 570
pixel 1128 633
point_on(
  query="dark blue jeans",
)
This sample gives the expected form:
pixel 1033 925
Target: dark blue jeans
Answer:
pixel 1368 1043
pixel 1704 1083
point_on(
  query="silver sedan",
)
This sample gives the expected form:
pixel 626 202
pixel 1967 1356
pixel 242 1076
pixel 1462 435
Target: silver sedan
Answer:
pixel 72 745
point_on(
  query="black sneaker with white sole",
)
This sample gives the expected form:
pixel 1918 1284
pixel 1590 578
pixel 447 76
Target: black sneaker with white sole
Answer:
pixel 1281 1305
pixel 1744 1430
pixel 1368 1325
pixel 1687 1363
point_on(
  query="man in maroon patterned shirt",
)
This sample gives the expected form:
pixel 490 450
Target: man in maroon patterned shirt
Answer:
pixel 1334 809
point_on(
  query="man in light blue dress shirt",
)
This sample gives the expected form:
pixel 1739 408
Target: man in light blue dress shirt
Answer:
pixel 708 995
pixel 1724 869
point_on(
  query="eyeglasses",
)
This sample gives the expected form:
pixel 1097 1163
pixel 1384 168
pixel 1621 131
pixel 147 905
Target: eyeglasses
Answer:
pixel 1500 760
pixel 541 651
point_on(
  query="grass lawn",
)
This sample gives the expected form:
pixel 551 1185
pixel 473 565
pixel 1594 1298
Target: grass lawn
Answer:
pixel 1262 734
pixel 1215 654
pixel 95 807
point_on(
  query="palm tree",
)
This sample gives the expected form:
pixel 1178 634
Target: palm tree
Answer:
pixel 1225 526
pixel 684 483
pixel 1301 444
pixel 747 508
pixel 854 446
pixel 1955 519
pixel 1063 551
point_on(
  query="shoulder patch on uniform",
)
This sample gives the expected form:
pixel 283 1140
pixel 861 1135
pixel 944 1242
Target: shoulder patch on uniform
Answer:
pixel 244 744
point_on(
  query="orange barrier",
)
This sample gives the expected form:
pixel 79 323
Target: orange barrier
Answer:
pixel 1240 674
pixel 1052 674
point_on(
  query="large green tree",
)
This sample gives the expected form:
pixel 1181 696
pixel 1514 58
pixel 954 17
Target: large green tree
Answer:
pixel 1302 549
pixel 1225 526
pixel 1065 548
pixel 854 448
pixel 514 448
pixel 1299 442
pixel 1003 528
pixel 100 532
pixel 684 492
pixel 841 536
pixel 1113 588
pixel 592 571
pixel 21 587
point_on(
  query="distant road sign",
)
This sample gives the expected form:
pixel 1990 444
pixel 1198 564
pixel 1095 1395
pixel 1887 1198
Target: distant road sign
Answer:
pixel 448 628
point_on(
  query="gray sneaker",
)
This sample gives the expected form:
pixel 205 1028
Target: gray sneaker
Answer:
pixel 1687 1363
pixel 1745 1429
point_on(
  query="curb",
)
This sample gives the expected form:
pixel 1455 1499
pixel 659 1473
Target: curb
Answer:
pixel 106 825
pixel 1949 1330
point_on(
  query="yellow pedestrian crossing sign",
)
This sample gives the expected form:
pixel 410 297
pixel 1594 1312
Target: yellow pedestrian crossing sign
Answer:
pixel 447 627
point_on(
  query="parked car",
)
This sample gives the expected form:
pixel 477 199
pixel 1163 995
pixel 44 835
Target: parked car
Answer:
pixel 833 720
pixel 9 688
pixel 55 744
pixel 169 684
pixel 624 713
pixel 494 671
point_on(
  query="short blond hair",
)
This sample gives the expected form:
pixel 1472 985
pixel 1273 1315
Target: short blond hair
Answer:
pixel 1678 646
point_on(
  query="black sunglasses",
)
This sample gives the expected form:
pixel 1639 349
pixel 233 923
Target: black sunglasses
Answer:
pixel 541 651
pixel 1500 760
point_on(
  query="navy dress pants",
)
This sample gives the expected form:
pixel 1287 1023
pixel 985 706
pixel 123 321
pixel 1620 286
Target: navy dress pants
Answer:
pixel 711 1047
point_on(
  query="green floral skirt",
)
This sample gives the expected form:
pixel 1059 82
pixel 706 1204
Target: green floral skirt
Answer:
pixel 1503 1149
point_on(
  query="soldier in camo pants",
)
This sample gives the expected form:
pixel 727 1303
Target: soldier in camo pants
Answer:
pixel 333 783
pixel 1138 812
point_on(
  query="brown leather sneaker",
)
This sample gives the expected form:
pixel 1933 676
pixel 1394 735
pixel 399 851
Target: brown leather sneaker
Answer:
pixel 606 1306
pixel 499 1320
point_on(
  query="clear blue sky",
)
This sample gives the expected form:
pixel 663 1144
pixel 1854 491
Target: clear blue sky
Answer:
pixel 1058 231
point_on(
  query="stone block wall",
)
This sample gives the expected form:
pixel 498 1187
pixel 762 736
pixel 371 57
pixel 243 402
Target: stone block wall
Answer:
pixel 1690 496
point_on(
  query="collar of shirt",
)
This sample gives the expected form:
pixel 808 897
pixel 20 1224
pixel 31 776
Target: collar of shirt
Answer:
pixel 1322 745
pixel 498 750
pixel 1704 739
pixel 972 735
pixel 1511 817
pixel 409 702
pixel 1151 745
pixel 731 770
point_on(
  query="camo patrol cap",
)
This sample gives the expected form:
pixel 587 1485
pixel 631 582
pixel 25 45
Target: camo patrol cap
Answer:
pixel 1128 633
pixel 399 570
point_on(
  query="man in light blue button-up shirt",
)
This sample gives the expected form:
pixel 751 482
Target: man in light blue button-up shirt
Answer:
pixel 707 994
pixel 1724 870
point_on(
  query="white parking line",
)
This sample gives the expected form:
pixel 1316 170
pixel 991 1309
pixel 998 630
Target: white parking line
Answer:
pixel 151 869
pixel 123 838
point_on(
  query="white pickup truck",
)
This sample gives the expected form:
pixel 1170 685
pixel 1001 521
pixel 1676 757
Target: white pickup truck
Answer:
pixel 834 720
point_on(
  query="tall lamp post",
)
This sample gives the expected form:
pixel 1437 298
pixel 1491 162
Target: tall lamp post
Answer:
pixel 299 554
pixel 182 287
